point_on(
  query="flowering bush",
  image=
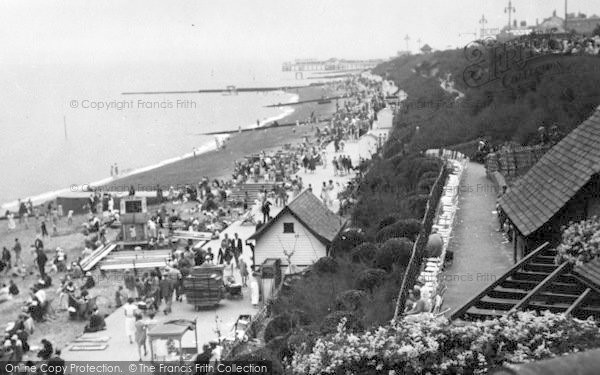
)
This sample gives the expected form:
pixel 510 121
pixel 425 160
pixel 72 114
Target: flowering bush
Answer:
pixel 436 346
pixel 580 242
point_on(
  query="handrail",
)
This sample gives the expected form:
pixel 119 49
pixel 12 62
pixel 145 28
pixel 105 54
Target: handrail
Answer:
pixel 533 292
pixel 416 258
pixel 498 281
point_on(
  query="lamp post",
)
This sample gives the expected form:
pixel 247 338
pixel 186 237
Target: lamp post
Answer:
pixel 482 22
pixel 510 10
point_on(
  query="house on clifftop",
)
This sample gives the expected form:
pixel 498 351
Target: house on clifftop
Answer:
pixel 563 186
pixel 305 227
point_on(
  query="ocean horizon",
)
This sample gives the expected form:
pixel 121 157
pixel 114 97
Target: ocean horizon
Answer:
pixel 67 125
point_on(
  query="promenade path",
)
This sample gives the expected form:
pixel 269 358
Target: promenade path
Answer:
pixel 227 312
pixel 481 253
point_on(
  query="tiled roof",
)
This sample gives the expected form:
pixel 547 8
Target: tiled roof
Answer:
pixel 313 214
pixel 555 178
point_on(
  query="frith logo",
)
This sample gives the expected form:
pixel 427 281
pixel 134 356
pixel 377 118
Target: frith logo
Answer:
pixel 514 64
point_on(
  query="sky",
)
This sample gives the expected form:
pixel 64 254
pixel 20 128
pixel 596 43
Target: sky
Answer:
pixel 103 31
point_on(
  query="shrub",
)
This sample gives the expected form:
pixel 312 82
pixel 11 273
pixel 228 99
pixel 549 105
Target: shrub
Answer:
pixel 279 325
pixel 408 228
pixel 388 220
pixel 346 241
pixel 260 355
pixel 417 204
pixel 332 321
pixel 302 338
pixel 428 165
pixel 580 242
pixel 364 253
pixel 370 279
pixel 437 346
pixel 425 184
pixel 430 174
pixel 326 265
pixel 350 300
pixel 393 251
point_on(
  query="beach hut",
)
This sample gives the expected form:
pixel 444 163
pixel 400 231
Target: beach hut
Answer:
pixel 304 228
pixel 134 216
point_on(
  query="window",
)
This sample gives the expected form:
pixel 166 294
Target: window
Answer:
pixel 288 227
pixel 132 207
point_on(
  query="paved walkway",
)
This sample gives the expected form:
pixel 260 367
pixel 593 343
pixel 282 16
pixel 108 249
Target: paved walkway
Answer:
pixel 228 311
pixel 481 253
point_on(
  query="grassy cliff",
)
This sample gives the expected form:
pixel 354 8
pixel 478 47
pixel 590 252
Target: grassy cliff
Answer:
pixel 543 91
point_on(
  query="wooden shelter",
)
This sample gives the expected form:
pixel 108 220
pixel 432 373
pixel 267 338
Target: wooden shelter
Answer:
pixel 563 186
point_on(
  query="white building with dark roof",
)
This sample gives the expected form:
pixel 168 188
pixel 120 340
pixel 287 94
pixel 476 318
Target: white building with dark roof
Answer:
pixel 304 228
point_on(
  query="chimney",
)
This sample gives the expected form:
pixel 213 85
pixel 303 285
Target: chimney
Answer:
pixel 536 22
pixel 514 23
pixel 554 13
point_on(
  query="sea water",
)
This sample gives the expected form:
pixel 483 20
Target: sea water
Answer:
pixel 64 125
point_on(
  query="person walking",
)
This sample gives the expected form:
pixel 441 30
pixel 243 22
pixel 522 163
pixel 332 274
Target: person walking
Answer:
pixel 130 313
pixel 38 244
pixel 11 221
pixel 167 286
pixel 43 228
pixel 254 290
pixel 140 335
pixel 41 260
pixel 17 250
pixel 238 247
pixel 243 271
pixel 266 209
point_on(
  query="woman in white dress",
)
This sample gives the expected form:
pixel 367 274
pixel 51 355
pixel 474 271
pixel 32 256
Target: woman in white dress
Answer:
pixel 11 220
pixel 254 290
pixel 130 312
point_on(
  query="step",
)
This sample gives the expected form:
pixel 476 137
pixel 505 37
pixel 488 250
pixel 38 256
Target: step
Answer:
pixel 507 293
pixel 546 259
pixel 586 311
pixel 582 313
pixel 555 308
pixel 540 267
pixel 556 286
pixel 530 275
pixel 491 303
pixel 474 313
pixel 552 297
pixel 525 285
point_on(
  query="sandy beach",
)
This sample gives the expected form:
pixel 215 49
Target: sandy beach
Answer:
pixel 219 163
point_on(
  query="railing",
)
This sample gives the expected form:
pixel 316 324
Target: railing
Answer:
pixel 458 313
pixel 414 266
pixel 516 161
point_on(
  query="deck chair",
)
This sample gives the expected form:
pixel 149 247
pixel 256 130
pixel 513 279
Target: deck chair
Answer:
pixel 248 219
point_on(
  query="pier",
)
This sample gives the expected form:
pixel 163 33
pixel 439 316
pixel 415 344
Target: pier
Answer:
pixel 327 66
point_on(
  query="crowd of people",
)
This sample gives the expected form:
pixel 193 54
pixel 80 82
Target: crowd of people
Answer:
pixel 143 296
pixel 553 43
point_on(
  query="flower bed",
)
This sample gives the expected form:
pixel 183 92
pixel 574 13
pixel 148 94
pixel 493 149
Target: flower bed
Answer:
pixel 580 242
pixel 437 346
